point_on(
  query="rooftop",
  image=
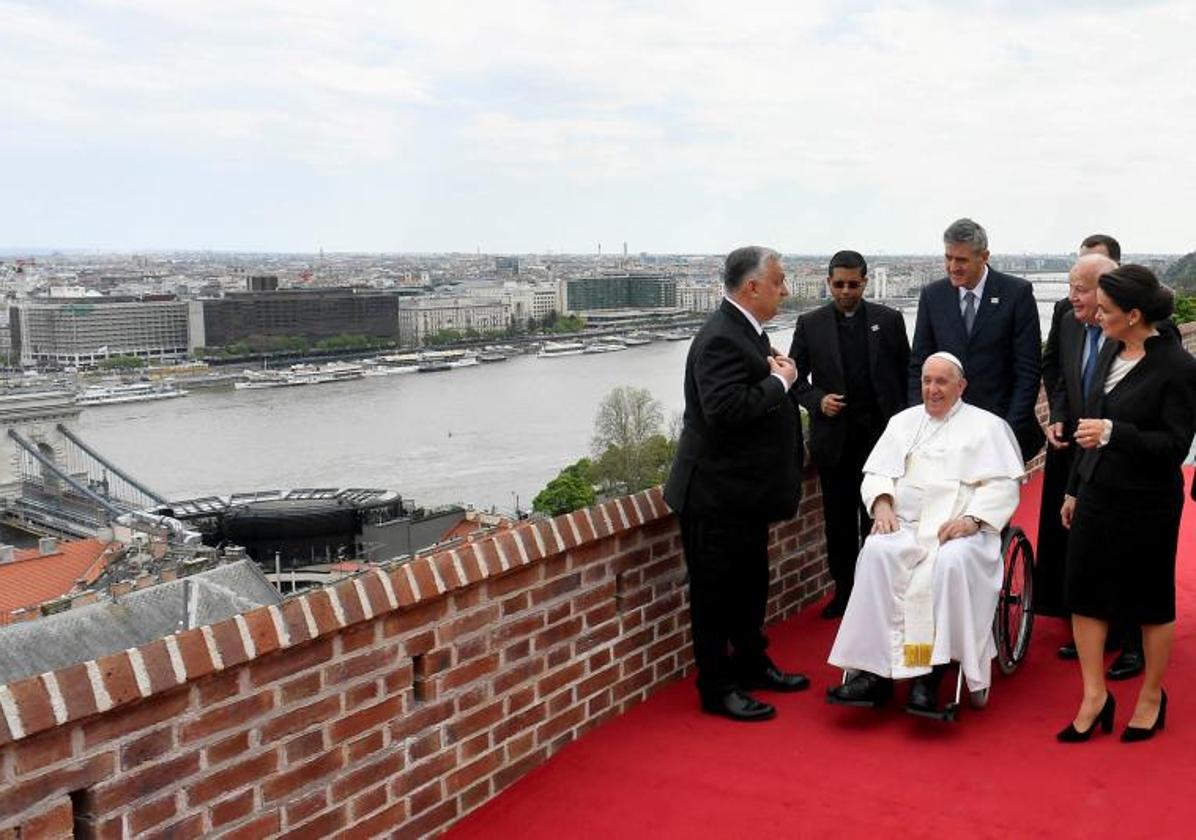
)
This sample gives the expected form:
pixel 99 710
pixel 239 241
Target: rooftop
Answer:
pixel 32 577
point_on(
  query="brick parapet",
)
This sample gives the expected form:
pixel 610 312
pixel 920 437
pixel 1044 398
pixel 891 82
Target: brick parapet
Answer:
pixel 403 697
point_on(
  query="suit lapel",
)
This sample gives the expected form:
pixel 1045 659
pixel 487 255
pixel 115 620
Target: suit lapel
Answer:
pixel 759 342
pixel 1094 400
pixel 829 327
pixel 950 302
pixel 873 333
pixel 1078 340
pixel 985 305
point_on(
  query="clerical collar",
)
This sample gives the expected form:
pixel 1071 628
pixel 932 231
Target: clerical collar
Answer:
pixel 751 318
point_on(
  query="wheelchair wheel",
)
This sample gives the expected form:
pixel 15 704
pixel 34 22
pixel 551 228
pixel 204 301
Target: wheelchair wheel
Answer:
pixel 1014 620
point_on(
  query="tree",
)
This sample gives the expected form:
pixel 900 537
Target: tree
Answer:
pixel 121 363
pixel 568 324
pixel 1185 308
pixel 630 448
pixel 571 490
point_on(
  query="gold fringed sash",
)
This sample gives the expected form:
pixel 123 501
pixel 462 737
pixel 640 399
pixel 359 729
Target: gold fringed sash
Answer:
pixel 918 655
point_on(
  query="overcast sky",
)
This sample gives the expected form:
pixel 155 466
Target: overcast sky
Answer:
pixel 431 125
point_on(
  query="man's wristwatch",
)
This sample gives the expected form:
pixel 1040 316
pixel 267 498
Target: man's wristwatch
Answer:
pixel 976 520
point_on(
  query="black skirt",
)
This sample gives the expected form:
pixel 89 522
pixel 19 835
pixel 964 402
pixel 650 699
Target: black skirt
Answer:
pixel 1121 554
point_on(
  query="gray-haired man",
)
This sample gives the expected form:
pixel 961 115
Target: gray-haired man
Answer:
pixel 990 322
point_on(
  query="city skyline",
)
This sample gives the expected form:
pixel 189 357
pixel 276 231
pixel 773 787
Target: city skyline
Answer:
pixel 519 128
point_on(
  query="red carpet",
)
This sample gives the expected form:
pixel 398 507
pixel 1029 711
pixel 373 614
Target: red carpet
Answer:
pixel 666 770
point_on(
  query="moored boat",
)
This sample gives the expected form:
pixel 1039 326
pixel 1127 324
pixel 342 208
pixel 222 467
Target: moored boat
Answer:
pixel 552 349
pixel 128 392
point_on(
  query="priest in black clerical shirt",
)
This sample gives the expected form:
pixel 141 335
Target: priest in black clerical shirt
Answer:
pixel 852 359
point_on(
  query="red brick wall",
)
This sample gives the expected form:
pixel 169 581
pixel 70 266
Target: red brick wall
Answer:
pixel 400 699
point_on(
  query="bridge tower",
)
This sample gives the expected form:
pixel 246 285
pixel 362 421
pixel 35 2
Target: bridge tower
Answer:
pixel 51 480
pixel 36 417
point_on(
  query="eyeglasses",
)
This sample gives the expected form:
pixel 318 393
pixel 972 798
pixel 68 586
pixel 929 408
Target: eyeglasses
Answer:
pixel 847 284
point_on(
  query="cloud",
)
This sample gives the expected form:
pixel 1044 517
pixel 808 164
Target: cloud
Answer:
pixel 814 121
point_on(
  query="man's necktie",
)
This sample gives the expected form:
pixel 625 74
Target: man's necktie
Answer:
pixel 969 311
pixel 1090 363
pixel 765 344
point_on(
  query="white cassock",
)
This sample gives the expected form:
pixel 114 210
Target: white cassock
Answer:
pixel 916 603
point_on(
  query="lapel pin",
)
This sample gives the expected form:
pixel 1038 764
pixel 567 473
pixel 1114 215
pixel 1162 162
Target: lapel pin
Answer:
pixel 876 328
pixel 994 301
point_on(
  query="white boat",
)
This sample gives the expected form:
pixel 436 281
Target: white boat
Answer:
pixel 389 370
pixel 301 375
pixel 379 367
pixel 552 349
pixel 126 393
pixel 599 347
pixel 435 360
pixel 635 339
pixel 468 360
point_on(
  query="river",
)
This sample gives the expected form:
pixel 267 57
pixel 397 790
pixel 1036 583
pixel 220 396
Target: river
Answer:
pixel 490 435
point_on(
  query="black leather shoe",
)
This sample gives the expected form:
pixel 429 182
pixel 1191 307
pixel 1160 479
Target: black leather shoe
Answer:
pixel 1068 651
pixel 1129 663
pixel 774 679
pixel 834 609
pixel 924 692
pixel 864 690
pixel 738 705
pixel 1136 733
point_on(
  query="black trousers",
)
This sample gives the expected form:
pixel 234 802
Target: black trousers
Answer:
pixel 727 560
pixel 846 521
pixel 1050 553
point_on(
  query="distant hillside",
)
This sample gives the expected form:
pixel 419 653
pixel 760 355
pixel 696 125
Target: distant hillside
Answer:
pixel 1181 274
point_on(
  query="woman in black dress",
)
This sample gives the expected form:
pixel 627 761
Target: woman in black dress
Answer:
pixel 1126 495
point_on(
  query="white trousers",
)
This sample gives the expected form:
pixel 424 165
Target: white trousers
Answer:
pixel 966 585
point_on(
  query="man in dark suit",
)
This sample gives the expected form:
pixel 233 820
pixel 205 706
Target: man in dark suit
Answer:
pixel 1066 356
pixel 1074 348
pixel 738 468
pixel 988 320
pixel 851 358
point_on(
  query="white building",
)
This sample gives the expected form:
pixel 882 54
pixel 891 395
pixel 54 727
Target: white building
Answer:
pixel 426 316
pixel 699 297
pixel 524 300
pixel 85 332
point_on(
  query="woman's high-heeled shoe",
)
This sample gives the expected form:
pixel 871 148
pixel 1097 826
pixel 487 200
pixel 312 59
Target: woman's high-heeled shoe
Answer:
pixel 1138 733
pixel 1104 720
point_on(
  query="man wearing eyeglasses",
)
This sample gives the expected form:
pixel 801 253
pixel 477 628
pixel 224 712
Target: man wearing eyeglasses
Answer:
pixel 851 358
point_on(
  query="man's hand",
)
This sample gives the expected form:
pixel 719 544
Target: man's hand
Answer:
pixel 961 526
pixel 1067 511
pixel 784 366
pixel 1088 433
pixel 832 404
pixel 884 520
pixel 1054 435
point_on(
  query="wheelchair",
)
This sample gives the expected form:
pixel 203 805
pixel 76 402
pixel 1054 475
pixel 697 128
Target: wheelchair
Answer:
pixel 1013 621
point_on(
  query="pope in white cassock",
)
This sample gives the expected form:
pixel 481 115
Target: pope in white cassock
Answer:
pixel 941 483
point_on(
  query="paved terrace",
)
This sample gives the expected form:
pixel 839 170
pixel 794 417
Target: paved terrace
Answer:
pixel 405 698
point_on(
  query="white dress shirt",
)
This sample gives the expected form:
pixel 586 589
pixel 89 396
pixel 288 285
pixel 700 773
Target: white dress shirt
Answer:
pixel 978 292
